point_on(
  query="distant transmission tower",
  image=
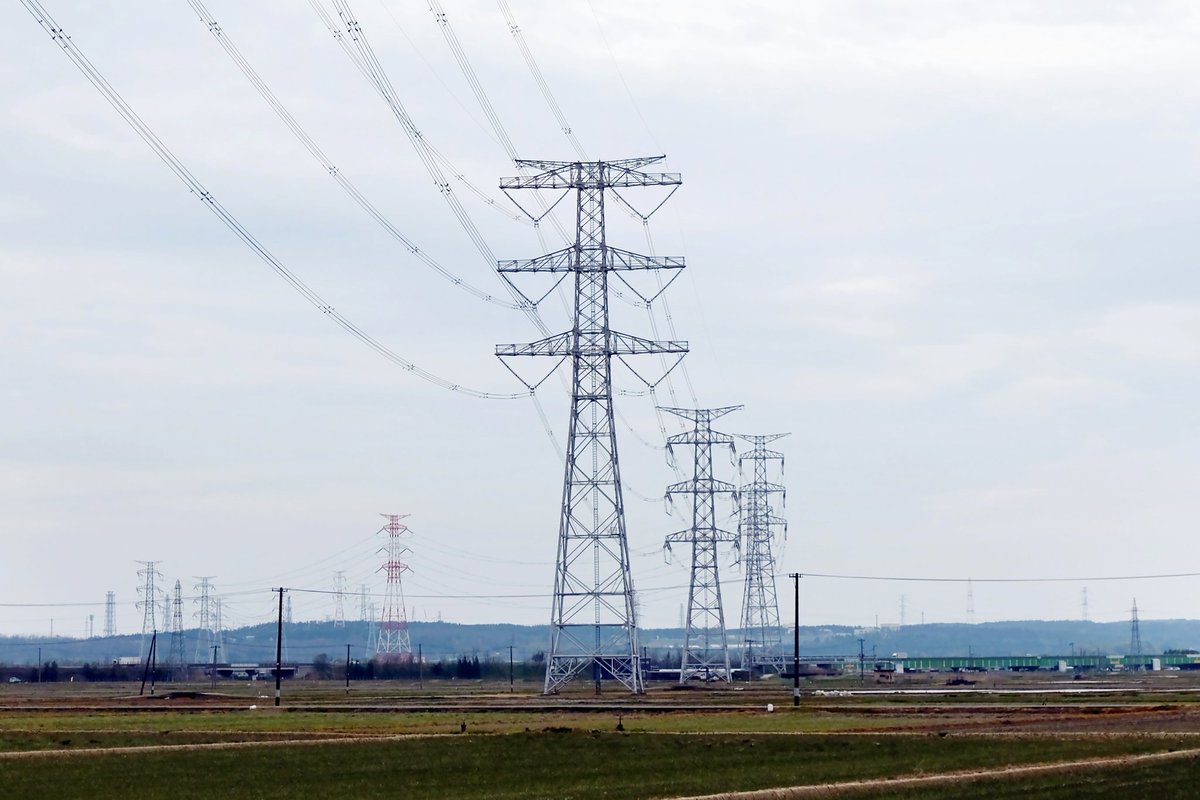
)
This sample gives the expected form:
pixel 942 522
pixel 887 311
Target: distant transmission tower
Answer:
pixel 110 614
pixel 757 524
pixel 287 612
pixel 903 608
pixel 339 599
pixel 91 625
pixel 392 641
pixel 706 646
pixel 593 620
pixel 148 592
pixel 177 659
pixel 970 602
pixel 205 636
pixel 363 614
pixel 218 627
pixel 1135 632
pixel 1085 604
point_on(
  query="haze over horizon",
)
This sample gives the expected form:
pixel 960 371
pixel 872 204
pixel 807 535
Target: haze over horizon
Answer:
pixel 950 248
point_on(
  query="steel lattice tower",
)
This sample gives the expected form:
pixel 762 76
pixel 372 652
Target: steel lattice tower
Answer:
pixel 205 638
pixel 1135 632
pixel 593 620
pixel 392 641
pixel 339 599
pixel 706 646
pixel 149 599
pixel 757 523
pixel 177 659
pixel 110 614
pixel 218 628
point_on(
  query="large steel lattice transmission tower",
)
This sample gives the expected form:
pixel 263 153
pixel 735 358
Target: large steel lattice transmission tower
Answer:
pixel 706 646
pixel 593 619
pixel 110 614
pixel 392 641
pixel 177 658
pixel 757 522
pixel 206 637
pixel 148 592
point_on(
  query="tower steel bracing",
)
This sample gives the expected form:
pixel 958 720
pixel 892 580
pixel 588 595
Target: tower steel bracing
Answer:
pixel 757 523
pixel 593 620
pixel 392 642
pixel 148 592
pixel 706 646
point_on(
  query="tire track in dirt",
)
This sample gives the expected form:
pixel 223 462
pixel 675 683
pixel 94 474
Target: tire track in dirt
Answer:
pixel 170 748
pixel 960 776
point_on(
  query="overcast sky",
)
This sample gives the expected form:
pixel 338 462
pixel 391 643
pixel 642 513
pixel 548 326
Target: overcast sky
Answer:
pixel 949 246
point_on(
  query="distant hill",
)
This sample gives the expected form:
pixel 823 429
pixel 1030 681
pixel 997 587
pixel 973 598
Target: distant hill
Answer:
pixel 303 641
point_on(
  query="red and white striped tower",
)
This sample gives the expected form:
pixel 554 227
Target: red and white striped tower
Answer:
pixel 392 642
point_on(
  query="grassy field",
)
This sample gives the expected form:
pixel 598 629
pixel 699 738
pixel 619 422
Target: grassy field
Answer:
pixel 383 740
pixel 531 765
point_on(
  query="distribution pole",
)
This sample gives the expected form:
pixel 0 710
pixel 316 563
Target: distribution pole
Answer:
pixel 510 668
pixel 347 667
pixel 705 644
pixel 593 619
pixel 279 649
pixel 795 576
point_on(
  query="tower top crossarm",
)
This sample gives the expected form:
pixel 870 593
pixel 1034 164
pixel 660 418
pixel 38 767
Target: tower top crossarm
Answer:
pixel 760 451
pixel 591 174
pixel 701 414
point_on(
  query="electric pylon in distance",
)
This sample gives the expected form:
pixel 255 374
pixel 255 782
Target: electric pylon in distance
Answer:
pixel 706 645
pixel 756 524
pixel 393 642
pixel 593 621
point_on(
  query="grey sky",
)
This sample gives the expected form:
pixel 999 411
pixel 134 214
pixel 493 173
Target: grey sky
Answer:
pixel 949 245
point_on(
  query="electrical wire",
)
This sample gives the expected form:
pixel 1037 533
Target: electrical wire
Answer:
pixel 59 36
pixel 540 79
pixel 302 135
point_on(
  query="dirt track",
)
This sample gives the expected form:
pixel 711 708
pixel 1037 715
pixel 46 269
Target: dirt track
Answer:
pixel 849 787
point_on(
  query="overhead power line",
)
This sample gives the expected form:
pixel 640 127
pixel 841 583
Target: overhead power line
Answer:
pixel 972 579
pixel 235 54
pixel 110 94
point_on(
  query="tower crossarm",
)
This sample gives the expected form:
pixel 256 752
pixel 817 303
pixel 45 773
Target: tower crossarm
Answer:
pixel 763 488
pixel 615 344
pixel 702 414
pixel 701 486
pixel 571 175
pixel 713 534
pixel 567 260
pixel 761 455
pixel 691 437
pixel 760 440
